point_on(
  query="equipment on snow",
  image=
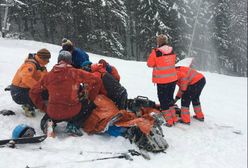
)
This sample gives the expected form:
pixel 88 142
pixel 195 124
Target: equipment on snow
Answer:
pixel 50 129
pixel 116 131
pixel 73 130
pixel 23 131
pixel 132 152
pixel 26 140
pixel 125 156
pixel 135 104
pixel 8 88
pixel 7 112
pixel 154 142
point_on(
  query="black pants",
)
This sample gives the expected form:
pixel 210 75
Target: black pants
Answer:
pixel 165 94
pixel 115 91
pixel 77 120
pixel 193 93
pixel 121 102
pixel 21 96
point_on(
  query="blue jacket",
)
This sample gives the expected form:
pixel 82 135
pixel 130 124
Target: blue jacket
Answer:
pixel 79 57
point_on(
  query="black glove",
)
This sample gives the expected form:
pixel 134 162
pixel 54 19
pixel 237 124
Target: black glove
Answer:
pixel 7 112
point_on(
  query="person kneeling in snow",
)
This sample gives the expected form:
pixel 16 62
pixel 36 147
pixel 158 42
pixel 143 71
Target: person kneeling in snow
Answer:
pixel 110 69
pixel 190 84
pixel 63 85
pixel 110 87
pixel 30 72
pixel 78 55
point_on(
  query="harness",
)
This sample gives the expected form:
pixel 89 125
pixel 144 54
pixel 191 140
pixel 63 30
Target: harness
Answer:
pixel 31 59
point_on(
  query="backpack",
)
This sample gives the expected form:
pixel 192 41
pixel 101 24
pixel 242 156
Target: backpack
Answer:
pixel 153 142
pixel 134 105
pixel 32 59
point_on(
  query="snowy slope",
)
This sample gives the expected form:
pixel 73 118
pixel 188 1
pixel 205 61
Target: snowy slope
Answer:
pixel 216 143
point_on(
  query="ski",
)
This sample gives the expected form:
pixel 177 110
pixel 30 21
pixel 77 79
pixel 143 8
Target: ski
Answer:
pixel 36 139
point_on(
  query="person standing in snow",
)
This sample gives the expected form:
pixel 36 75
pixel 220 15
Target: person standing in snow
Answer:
pixel 110 69
pixel 78 55
pixel 63 86
pixel 162 60
pixel 190 84
pixel 30 73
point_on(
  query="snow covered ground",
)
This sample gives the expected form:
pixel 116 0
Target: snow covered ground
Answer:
pixel 221 141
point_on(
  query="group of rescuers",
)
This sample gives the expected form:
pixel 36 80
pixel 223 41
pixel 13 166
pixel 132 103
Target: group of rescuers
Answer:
pixel 56 93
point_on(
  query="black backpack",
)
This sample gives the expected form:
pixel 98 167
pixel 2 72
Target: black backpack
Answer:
pixel 31 58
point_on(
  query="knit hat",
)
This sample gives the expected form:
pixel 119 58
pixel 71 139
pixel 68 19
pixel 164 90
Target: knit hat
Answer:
pixel 162 40
pixel 65 56
pixel 67 44
pixel 44 54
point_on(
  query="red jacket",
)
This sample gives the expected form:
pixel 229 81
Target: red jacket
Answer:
pixel 186 76
pixel 62 83
pixel 162 60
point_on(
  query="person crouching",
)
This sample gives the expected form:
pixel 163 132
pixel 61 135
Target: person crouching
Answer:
pixel 63 85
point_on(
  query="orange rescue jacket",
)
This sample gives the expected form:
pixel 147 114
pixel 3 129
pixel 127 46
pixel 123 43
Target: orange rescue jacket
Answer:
pixel 186 76
pixel 162 60
pixel 30 72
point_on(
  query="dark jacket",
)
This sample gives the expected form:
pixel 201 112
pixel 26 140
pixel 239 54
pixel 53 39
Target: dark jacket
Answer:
pixel 79 57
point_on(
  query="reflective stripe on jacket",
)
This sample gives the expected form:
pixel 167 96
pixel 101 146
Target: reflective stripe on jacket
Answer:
pixel 162 60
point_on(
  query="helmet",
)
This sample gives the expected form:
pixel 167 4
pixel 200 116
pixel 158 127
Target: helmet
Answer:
pixel 22 131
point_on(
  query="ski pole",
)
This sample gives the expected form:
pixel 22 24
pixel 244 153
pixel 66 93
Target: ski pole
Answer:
pixel 122 156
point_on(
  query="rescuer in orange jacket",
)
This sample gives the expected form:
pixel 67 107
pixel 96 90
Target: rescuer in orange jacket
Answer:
pixel 30 72
pixel 110 69
pixel 63 85
pixel 190 84
pixel 162 60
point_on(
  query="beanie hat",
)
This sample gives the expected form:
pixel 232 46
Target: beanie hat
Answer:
pixel 162 40
pixel 65 56
pixel 44 54
pixel 67 44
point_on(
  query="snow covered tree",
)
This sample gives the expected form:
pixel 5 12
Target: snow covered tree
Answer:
pixel 231 36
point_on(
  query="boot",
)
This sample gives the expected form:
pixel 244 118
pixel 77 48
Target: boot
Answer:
pixel 198 113
pixel 183 122
pixel 168 118
pixel 73 130
pixel 173 113
pixel 28 111
pixel 199 119
pixel 185 115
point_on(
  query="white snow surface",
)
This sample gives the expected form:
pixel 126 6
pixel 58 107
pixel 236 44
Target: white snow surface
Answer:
pixel 219 142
